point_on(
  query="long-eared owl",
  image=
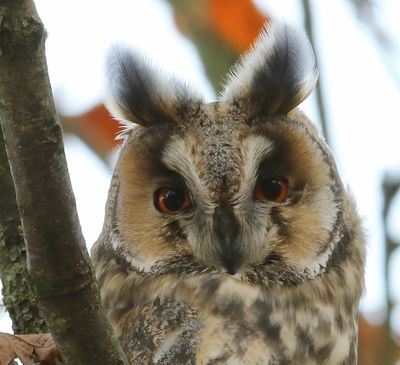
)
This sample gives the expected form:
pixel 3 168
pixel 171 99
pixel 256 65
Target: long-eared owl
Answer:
pixel 229 237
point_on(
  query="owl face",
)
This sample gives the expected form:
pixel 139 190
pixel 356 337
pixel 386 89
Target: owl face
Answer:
pixel 242 187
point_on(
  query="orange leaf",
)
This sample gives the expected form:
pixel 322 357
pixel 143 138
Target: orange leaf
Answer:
pixel 237 21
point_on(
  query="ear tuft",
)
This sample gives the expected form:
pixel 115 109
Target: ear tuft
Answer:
pixel 138 93
pixel 277 74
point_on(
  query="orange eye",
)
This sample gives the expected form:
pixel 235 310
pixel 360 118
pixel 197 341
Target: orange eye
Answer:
pixel 171 200
pixel 273 189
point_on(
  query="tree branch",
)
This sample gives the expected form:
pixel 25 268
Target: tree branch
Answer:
pixel 319 89
pixel 58 262
pixel 17 294
pixel 390 187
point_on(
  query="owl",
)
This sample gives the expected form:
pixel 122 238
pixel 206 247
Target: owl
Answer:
pixel 229 237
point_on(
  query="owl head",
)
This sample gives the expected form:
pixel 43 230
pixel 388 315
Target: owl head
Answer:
pixel 244 186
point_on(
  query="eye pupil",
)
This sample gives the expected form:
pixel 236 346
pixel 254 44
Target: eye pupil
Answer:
pixel 271 188
pixel 174 199
pixel 170 200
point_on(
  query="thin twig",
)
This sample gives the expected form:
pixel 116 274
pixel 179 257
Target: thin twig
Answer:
pixel 308 21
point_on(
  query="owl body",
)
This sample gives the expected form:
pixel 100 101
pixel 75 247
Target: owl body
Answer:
pixel 229 238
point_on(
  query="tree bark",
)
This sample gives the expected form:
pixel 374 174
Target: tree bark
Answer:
pixel 58 262
pixel 17 295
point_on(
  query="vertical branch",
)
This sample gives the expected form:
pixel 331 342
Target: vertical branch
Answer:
pixel 17 294
pixel 390 188
pixel 58 262
pixel 308 21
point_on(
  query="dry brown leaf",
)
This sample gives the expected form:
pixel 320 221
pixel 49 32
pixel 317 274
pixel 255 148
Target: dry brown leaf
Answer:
pixel 6 351
pixel 31 349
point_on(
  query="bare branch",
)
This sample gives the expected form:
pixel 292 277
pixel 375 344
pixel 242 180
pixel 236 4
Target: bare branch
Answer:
pixel 57 258
pixel 17 294
pixel 319 89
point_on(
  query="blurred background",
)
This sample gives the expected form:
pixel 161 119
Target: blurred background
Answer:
pixel 357 47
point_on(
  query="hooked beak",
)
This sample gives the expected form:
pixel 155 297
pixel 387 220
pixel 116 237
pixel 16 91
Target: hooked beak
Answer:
pixel 226 227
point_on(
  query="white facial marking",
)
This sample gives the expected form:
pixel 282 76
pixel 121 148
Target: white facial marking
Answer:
pixel 178 158
pixel 255 150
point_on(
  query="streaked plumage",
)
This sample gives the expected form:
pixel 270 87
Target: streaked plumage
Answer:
pixel 262 262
